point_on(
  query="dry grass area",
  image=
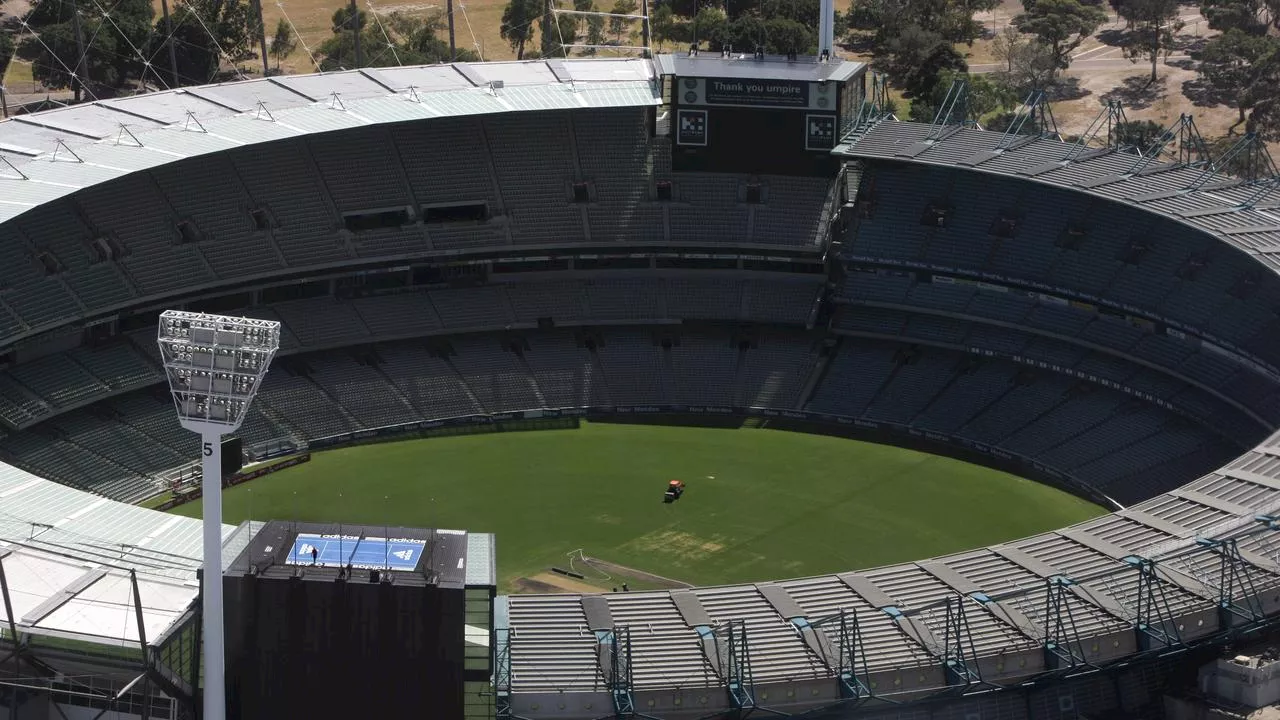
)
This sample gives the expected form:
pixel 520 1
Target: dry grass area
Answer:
pixel 1100 72
pixel 1161 101
pixel 476 25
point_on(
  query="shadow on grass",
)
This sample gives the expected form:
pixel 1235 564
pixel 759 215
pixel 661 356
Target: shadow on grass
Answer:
pixel 1202 93
pixel 1114 37
pixel 1138 91
pixel 1066 88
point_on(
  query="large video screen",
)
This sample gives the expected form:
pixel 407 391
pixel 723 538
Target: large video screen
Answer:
pixel 754 140
pixel 366 553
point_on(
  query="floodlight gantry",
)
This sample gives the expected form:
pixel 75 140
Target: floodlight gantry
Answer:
pixel 215 365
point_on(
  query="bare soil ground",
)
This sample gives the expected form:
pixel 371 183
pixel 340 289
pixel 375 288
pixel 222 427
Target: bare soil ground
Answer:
pixel 1100 72
pixel 549 582
pixel 1174 92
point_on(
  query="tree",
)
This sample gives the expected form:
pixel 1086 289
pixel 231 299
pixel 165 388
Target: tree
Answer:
pixel 916 59
pixel 1034 67
pixel 517 23
pixel 983 96
pixel 395 37
pixel 1242 70
pixel 112 48
pixel 662 25
pixel 339 51
pixel 782 35
pixel 283 43
pixel 1060 24
pixel 1264 119
pixel 1245 15
pixel 199 55
pixel 1151 28
pixel 618 25
pixel 1007 44
pixel 417 38
pixel 913 40
pixel 951 19
pixel 1138 134
pixel 6 52
pixel 742 34
pixel 595 31
pixel 708 25
pixel 792 25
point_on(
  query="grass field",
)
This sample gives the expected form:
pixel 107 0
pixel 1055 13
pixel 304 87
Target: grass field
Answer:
pixel 760 504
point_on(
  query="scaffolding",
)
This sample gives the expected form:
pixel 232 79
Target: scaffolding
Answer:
pixel 163 675
pixel 1062 647
pixel 959 657
pixel 1153 618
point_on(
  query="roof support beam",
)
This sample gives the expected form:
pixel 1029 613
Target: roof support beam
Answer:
pixel 1156 523
pixel 1007 614
pixel 8 600
pixel 787 608
pixel 1253 477
pixel 1019 557
pixel 1115 552
pixel 63 596
pixel 1207 500
pixel 912 627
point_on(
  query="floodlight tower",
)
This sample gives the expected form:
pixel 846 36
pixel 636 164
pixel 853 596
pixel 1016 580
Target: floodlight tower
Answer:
pixel 214 365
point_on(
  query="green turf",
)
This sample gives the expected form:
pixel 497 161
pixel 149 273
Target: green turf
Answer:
pixel 760 504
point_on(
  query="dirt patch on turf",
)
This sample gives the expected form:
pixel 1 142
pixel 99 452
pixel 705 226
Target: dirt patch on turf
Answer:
pixel 548 582
pixel 675 542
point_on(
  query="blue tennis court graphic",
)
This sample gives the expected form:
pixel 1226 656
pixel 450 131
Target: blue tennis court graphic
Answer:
pixel 366 552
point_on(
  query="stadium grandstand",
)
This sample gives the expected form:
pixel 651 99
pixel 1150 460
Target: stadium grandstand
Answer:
pixel 462 243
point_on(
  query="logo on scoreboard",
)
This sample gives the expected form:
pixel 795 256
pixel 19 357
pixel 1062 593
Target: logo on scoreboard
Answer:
pixel 691 127
pixel 819 132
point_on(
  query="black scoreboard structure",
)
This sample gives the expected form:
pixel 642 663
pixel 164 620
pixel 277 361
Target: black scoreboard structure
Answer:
pixel 758 114
pixel 326 620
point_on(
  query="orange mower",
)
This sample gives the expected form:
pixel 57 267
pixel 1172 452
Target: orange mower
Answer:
pixel 675 489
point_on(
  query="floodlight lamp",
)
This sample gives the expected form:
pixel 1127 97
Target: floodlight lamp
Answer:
pixel 214 365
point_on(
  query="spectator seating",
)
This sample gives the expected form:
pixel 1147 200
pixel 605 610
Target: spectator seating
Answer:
pixel 1062 239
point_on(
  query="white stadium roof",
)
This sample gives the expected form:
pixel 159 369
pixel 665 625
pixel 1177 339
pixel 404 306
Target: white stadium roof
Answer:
pixel 46 155
pixel 67 555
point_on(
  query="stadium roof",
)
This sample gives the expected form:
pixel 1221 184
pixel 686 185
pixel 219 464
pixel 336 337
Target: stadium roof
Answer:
pixel 1242 214
pixel 46 155
pixel 67 557
pixel 746 67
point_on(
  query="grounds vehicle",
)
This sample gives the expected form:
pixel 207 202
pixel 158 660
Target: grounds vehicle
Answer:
pixel 675 489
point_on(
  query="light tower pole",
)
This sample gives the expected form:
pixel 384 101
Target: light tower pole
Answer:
pixel 214 365
pixel 826 28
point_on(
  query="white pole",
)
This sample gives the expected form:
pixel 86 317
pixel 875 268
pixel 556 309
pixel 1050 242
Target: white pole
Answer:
pixel 826 26
pixel 215 697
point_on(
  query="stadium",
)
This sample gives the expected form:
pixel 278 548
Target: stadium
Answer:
pixel 480 245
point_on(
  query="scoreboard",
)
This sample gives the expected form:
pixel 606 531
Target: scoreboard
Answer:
pixel 333 621
pixel 759 115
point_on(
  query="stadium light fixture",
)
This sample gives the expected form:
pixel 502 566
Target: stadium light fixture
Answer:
pixel 214 365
